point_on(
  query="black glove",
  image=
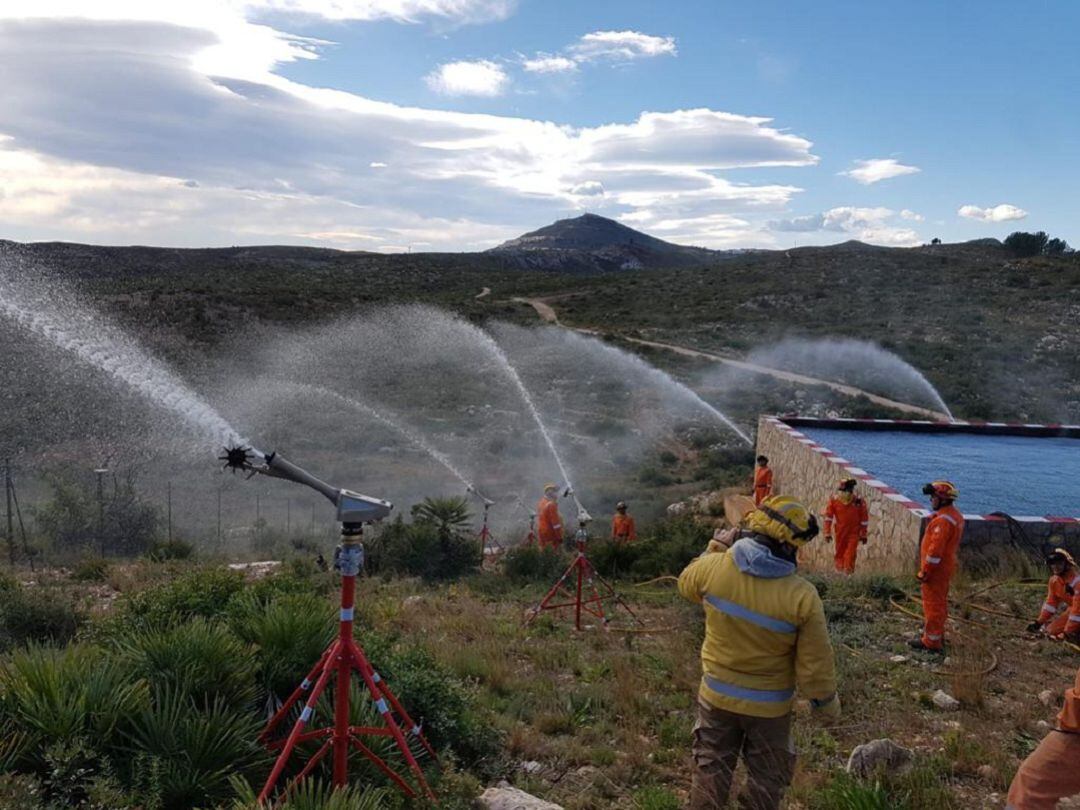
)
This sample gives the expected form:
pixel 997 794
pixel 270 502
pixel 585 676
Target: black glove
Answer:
pixel 1034 627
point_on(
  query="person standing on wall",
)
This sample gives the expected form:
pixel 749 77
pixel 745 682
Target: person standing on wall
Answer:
pixel 549 525
pixel 623 530
pixel 937 563
pixel 765 634
pixel 762 480
pixel 847 520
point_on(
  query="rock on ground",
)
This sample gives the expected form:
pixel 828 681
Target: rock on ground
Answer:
pixel 945 701
pixel 869 757
pixel 505 797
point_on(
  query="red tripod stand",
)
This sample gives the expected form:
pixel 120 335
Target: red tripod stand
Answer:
pixel 584 596
pixel 343 657
pixel 488 543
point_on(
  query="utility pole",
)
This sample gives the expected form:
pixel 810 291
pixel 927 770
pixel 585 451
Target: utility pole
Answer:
pixel 10 516
pixel 100 472
pixel 288 516
pixel 258 516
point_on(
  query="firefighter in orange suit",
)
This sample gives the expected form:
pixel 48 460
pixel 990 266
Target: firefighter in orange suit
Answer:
pixel 1050 773
pixel 762 480
pixel 1060 591
pixel 622 526
pixel 847 520
pixel 549 525
pixel 937 563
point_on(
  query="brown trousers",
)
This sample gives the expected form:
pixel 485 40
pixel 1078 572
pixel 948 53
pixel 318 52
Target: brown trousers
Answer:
pixel 1048 774
pixel 766 748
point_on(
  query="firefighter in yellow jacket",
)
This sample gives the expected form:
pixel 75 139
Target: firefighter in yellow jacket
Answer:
pixel 765 635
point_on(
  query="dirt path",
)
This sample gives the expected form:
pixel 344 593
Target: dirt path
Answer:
pixel 548 314
pixel 484 293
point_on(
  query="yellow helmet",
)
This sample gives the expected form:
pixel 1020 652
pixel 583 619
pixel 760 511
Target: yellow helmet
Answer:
pixel 1061 555
pixel 550 485
pixel 943 489
pixel 783 518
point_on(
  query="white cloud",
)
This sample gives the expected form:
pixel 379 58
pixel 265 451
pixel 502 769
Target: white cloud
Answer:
pixel 480 78
pixel 460 11
pixel 136 107
pixel 999 213
pixel 872 171
pixel 545 63
pixel 911 216
pixel 871 225
pixel 622 46
pixel 598 46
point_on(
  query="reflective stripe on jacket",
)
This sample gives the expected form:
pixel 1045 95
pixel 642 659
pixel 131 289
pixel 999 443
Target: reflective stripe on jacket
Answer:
pixel 763 636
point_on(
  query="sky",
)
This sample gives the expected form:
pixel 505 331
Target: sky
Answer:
pixel 422 125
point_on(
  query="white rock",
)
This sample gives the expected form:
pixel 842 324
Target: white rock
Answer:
pixel 1046 697
pixel 945 701
pixel 532 766
pixel 1043 726
pixel 869 757
pixel 505 797
pixel 898 659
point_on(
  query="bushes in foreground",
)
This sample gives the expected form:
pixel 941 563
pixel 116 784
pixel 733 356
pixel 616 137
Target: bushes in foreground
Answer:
pixel 162 705
pixel 34 614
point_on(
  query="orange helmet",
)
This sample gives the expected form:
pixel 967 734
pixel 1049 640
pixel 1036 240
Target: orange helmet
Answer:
pixel 943 489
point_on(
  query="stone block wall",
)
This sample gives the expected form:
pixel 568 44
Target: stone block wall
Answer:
pixel 810 473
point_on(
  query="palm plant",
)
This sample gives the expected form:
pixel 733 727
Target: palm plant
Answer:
pixel 200 659
pixel 315 795
pixel 195 749
pixel 451 516
pixel 51 696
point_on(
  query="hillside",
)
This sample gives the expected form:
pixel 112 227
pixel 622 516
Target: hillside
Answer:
pixel 591 242
pixel 996 335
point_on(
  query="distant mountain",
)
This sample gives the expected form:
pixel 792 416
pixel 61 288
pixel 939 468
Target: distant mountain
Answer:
pixel 591 242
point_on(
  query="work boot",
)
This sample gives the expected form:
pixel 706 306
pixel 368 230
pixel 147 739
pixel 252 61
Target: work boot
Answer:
pixel 917 644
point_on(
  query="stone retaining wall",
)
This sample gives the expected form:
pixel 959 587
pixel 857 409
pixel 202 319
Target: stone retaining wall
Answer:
pixel 803 472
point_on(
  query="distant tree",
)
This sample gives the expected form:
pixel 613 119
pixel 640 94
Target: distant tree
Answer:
pixel 70 518
pixel 1021 243
pixel 1057 247
pixel 935 241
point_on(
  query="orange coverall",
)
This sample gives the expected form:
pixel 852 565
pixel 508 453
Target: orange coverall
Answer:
pixel 622 529
pixel 847 524
pixel 1050 772
pixel 549 531
pixel 937 563
pixel 1055 609
pixel 762 484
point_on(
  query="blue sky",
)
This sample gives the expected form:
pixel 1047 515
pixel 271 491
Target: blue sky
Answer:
pixel 454 124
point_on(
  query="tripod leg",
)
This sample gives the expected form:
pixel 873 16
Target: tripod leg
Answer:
pixel 308 768
pixel 616 598
pixel 550 594
pixel 577 606
pixel 360 662
pixel 380 763
pixel 297 729
pixel 295 696
pixel 341 717
pixel 413 727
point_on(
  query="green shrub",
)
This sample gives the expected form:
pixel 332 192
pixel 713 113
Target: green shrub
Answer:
pixel 530 563
pixel 437 700
pixel 312 794
pixel 170 550
pixel 665 550
pixel 288 633
pixel 200 592
pixel 656 798
pixel 424 548
pixel 55 696
pixel 194 749
pixel 91 569
pixel 200 660
pixel 35 615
